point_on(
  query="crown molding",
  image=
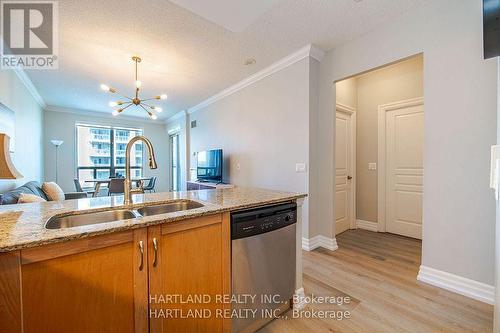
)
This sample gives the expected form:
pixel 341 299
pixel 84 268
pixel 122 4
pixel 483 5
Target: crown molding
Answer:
pixel 105 115
pixel 316 53
pixel 176 116
pixel 21 74
pixel 305 52
pixel 26 81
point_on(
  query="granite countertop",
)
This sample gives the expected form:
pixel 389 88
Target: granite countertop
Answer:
pixel 23 225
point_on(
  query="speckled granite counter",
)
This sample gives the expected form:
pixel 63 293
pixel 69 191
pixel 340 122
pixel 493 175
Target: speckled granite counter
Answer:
pixel 23 225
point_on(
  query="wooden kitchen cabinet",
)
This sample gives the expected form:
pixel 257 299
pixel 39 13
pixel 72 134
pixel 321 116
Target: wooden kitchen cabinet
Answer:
pixel 90 285
pixel 103 283
pixel 190 259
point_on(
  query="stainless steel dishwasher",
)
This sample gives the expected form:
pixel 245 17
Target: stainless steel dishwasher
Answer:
pixel 263 264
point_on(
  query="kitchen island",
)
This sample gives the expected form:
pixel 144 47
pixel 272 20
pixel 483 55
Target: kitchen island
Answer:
pixel 122 276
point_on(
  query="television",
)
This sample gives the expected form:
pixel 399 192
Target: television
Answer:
pixel 491 28
pixel 209 165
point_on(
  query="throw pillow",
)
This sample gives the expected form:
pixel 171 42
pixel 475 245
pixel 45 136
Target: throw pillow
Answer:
pixel 53 191
pixel 28 198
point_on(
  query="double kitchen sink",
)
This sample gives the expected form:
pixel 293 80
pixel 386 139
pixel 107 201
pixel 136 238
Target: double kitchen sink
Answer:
pixel 81 219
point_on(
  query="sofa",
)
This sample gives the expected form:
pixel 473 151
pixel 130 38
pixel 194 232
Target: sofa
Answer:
pixel 12 196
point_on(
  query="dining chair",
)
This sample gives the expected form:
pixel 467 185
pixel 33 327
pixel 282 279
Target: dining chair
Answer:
pixel 116 186
pixel 151 185
pixel 78 187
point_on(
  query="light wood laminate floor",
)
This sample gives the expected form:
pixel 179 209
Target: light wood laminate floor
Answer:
pixel 378 271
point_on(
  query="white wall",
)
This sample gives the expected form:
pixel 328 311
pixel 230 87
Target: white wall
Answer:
pixel 314 153
pixel 61 126
pixel 28 156
pixel 264 128
pixel 460 92
pixel 496 327
pixel 347 92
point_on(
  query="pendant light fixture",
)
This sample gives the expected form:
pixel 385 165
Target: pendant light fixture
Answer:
pixel 151 110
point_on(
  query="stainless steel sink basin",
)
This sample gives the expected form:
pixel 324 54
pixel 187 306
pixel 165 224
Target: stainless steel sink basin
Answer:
pixel 168 207
pixel 78 220
pixel 70 221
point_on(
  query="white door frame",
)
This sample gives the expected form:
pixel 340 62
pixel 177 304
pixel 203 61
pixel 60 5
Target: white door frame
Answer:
pixel 352 113
pixel 382 111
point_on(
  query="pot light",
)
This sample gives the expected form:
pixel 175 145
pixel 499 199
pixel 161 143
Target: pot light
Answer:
pixel 250 61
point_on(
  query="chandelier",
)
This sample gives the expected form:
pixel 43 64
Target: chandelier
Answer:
pixel 151 110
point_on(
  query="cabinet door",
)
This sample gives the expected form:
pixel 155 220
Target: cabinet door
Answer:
pixel 192 260
pixel 95 284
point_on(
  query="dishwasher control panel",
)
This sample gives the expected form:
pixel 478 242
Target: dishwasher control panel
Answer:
pixel 260 220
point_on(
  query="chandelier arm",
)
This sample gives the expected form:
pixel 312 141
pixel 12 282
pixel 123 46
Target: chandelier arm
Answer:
pixel 129 105
pixel 123 96
pixel 148 112
pixel 148 99
pixel 151 107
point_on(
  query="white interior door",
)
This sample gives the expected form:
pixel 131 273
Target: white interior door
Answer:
pixel 404 170
pixel 344 211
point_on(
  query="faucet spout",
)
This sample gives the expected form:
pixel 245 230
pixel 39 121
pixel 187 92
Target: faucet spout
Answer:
pixel 128 191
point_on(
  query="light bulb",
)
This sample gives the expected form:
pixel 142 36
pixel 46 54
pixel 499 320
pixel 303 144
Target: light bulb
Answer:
pixel 115 113
pixel 105 87
pixel 113 104
pixel 158 109
pixel 138 84
pixel 154 117
pixel 163 96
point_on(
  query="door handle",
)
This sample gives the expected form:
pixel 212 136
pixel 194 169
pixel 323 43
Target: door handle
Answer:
pixel 155 248
pixel 349 177
pixel 141 249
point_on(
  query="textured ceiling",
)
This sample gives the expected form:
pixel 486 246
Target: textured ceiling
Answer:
pixel 243 13
pixel 184 55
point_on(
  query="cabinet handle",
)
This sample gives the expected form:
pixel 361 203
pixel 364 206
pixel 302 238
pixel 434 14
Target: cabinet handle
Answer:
pixel 141 249
pixel 155 247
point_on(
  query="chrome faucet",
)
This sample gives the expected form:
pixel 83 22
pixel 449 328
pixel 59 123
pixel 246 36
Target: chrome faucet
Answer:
pixel 128 190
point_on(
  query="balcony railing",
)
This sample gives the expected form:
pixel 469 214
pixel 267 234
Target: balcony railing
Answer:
pixel 100 137
pixel 120 138
pixel 100 152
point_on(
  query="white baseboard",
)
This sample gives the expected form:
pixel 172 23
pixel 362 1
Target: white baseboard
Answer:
pixel 367 225
pixel 460 285
pixel 309 244
pixel 299 301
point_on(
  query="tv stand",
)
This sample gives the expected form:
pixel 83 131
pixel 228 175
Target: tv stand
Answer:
pixel 193 185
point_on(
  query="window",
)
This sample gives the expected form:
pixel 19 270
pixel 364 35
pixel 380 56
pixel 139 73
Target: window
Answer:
pixel 101 152
pixel 175 169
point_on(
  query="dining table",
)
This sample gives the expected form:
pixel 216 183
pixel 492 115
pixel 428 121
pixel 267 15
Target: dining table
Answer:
pixel 99 182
